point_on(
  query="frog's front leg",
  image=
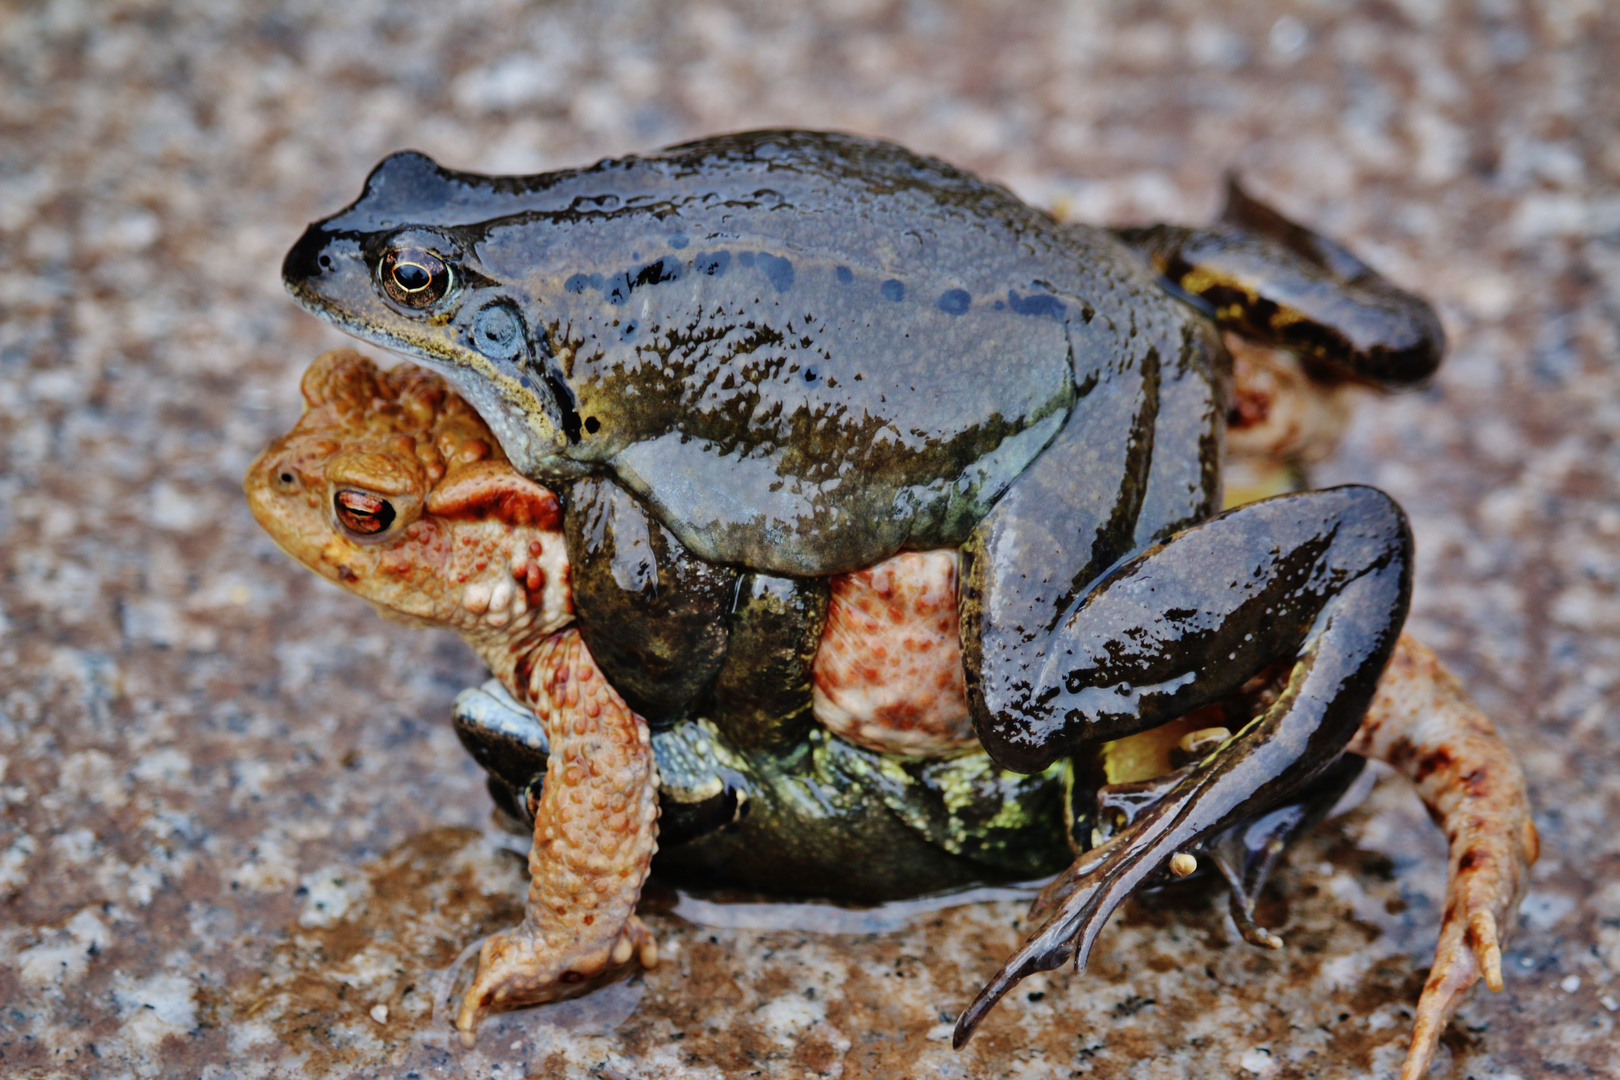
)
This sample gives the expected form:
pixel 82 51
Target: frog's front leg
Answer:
pixel 1321 580
pixel 653 615
pixel 595 832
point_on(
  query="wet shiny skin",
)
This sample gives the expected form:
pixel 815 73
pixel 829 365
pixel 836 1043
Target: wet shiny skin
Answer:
pixel 762 359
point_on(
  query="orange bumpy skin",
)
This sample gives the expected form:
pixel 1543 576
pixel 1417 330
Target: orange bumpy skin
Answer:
pixel 391 486
pixel 595 832
pixel 888 674
pixel 1422 723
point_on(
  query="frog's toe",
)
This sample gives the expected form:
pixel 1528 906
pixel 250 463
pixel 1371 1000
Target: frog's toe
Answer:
pixel 1423 724
pixel 1470 949
pixel 521 967
pixel 1245 854
pixel 1076 904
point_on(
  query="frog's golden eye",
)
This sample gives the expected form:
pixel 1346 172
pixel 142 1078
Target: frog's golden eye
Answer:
pixel 414 277
pixel 363 515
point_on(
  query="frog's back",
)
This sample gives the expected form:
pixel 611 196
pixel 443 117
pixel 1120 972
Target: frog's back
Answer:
pixel 805 350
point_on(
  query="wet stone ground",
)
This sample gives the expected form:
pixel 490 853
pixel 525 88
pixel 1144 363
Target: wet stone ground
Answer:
pixel 237 837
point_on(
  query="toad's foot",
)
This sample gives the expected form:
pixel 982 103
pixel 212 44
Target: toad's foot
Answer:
pixel 595 831
pixel 527 966
pixel 1422 723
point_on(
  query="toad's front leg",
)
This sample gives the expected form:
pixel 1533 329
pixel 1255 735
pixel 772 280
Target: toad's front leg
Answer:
pixel 1321 579
pixel 595 832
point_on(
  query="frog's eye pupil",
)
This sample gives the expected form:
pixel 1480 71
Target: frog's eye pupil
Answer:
pixel 414 277
pixel 362 513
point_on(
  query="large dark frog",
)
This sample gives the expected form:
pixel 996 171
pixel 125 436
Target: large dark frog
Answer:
pixel 748 363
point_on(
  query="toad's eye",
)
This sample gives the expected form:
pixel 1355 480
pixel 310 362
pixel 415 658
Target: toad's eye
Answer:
pixel 362 514
pixel 414 277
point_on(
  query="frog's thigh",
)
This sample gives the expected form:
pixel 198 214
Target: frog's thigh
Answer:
pixel 1136 460
pixel 1265 276
pixel 1320 577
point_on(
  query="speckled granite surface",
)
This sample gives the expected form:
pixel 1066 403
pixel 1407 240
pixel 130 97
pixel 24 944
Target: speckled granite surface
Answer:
pixel 238 838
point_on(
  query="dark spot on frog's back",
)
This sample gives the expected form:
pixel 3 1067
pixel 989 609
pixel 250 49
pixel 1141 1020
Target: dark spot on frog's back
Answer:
pixel 778 271
pixel 893 290
pixel 954 301
pixel 712 264
pixel 620 286
pixel 1037 305
pixel 845 275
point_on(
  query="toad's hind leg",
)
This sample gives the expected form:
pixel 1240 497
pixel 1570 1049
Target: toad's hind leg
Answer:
pixel 1321 579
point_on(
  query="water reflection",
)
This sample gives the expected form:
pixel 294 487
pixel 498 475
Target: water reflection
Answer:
pixel 821 917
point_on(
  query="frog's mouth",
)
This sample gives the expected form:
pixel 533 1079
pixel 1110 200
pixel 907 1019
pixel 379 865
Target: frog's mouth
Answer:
pixel 527 405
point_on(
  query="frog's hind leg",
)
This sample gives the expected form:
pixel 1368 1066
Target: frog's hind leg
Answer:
pixel 1265 276
pixel 1320 579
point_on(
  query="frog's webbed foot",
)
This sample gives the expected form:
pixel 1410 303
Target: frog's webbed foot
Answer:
pixel 1320 580
pixel 595 832
pixel 1246 853
pixel 1074 904
pixel 1422 723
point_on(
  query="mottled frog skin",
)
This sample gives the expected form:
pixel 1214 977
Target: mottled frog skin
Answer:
pixel 748 363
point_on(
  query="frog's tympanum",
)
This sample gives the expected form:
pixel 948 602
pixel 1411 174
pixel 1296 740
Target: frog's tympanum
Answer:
pixel 748 365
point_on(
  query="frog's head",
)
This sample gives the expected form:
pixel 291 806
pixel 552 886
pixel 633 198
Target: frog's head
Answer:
pixel 419 265
pixel 392 487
